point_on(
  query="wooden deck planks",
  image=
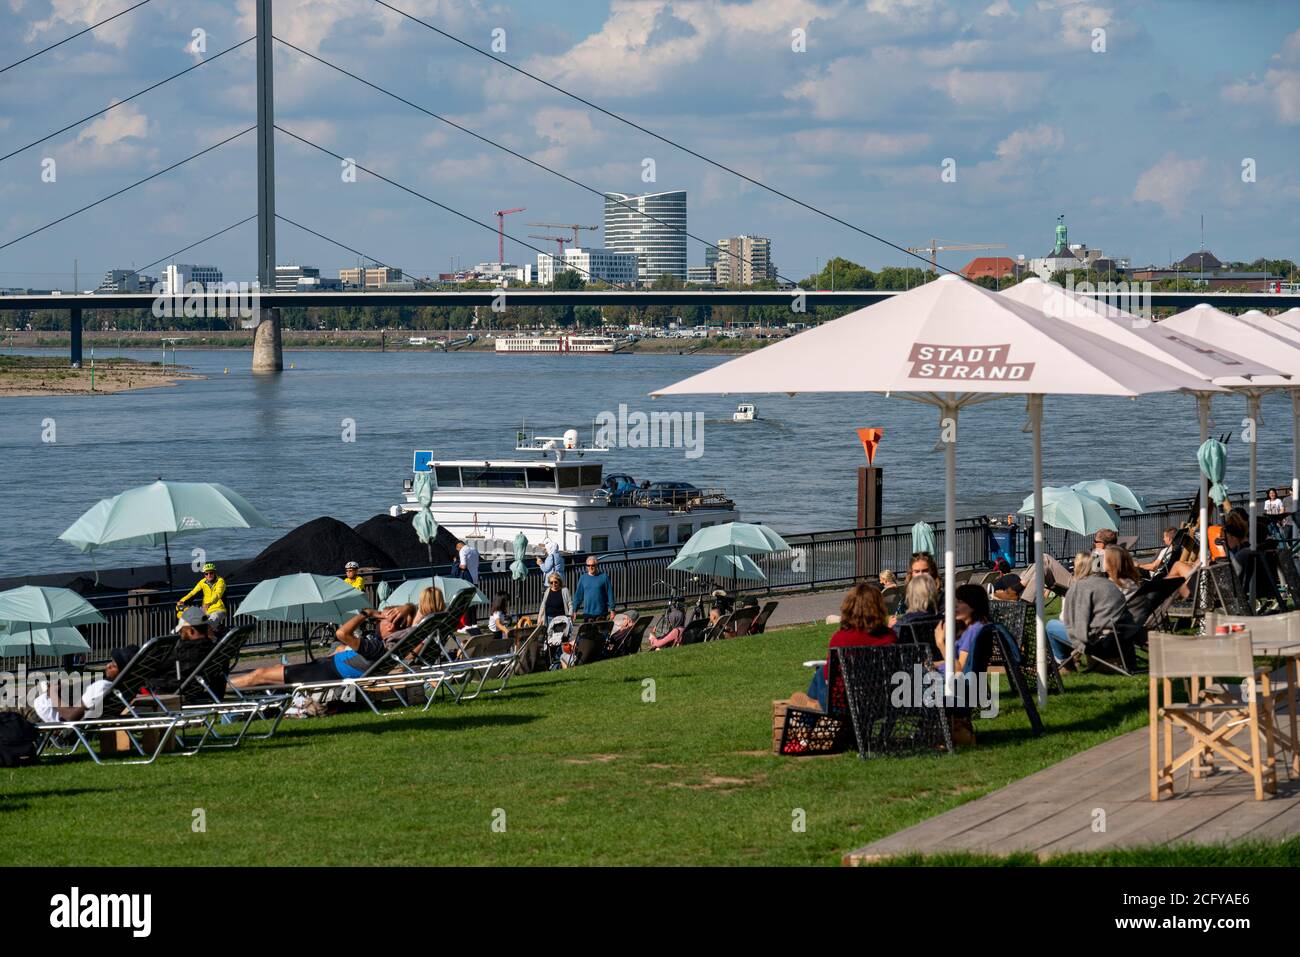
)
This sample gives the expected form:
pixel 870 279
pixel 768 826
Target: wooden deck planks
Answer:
pixel 1053 811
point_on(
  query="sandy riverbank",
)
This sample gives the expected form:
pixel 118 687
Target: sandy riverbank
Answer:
pixel 39 375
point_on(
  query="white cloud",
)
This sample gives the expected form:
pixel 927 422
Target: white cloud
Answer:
pixel 82 13
pixel 1000 8
pixel 113 138
pixel 1279 88
pixel 1169 183
pixel 991 90
pixel 1038 139
pixel 840 144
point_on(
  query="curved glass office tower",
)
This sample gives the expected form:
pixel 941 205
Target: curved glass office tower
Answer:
pixel 659 243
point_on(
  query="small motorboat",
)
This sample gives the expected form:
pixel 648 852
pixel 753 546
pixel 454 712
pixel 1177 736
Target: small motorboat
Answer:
pixel 745 412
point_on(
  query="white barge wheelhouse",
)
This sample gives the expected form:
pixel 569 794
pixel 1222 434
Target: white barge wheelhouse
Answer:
pixel 561 495
pixel 556 344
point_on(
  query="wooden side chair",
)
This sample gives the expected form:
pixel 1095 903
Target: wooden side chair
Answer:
pixel 1213 721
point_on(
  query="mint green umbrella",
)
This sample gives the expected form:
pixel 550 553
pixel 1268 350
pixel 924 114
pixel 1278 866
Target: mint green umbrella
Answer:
pixel 1073 511
pixel 303 597
pixel 426 526
pixel 43 605
pixel 1213 459
pixel 733 538
pixel 719 566
pixel 152 514
pixel 1112 492
pixel 53 640
pixel 408 592
pixel 923 538
pixel 28 611
pixel 518 570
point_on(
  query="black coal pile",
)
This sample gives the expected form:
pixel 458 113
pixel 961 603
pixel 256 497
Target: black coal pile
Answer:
pixel 396 537
pixel 322 547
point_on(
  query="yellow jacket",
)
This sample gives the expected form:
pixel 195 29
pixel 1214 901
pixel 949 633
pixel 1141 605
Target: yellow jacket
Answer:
pixel 212 594
pixel 356 582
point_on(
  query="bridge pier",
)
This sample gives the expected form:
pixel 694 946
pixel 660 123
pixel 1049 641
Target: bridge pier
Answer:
pixel 268 354
pixel 74 328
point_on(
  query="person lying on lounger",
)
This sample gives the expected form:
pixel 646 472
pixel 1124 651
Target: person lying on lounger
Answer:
pixel 92 700
pixel 360 649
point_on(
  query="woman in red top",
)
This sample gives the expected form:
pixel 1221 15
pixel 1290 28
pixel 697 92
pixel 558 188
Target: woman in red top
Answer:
pixel 863 622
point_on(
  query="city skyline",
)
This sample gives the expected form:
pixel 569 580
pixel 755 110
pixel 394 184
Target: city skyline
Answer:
pixel 858 124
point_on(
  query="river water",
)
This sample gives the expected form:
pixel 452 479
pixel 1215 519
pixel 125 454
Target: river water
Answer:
pixel 279 440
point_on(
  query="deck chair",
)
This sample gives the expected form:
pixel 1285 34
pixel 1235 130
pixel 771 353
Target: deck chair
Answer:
pixel 147 665
pixel 760 623
pixel 919 631
pixel 66 738
pixel 390 673
pixel 630 642
pixel 694 631
pixel 208 682
pixel 716 631
pixel 884 725
pixel 487 656
pixel 1226 590
pixel 1211 723
pixel 742 621
pixel 589 643
pixel 1290 574
pixel 1016 618
pixel 996 643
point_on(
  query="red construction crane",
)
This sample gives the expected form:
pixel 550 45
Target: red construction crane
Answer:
pixel 501 215
pixel 558 240
pixel 574 226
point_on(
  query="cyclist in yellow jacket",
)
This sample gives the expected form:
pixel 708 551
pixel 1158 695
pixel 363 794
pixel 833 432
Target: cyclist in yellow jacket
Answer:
pixel 213 589
pixel 351 576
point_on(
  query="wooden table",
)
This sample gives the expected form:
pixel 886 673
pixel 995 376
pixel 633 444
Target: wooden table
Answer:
pixel 1290 650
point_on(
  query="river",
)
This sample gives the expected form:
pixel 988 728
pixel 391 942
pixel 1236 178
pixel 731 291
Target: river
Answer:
pixel 279 440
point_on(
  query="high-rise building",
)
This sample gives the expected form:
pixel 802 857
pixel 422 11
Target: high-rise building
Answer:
pixel 744 260
pixel 653 226
pixel 371 277
pixel 592 264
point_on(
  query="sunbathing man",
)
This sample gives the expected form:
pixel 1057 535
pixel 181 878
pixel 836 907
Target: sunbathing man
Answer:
pixel 92 701
pixel 359 650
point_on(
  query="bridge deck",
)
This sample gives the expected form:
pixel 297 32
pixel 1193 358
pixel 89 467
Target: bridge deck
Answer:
pixel 1053 811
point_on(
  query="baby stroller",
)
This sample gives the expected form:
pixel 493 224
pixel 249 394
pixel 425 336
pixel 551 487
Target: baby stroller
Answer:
pixel 558 644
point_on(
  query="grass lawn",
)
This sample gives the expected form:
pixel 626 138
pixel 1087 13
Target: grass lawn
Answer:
pixel 583 769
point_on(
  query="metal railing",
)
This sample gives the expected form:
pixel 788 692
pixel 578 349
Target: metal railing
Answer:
pixel 815 560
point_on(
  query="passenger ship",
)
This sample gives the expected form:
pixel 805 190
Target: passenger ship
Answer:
pixel 556 344
pixel 554 491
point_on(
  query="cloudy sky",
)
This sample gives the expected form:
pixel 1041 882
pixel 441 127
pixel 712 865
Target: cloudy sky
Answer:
pixel 1132 118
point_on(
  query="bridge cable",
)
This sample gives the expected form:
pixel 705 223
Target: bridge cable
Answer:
pixel 442 206
pixel 517 155
pixel 113 106
pixel 659 136
pixel 119 192
pixel 74 36
pixel 219 232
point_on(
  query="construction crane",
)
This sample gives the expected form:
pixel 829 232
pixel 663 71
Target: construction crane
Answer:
pixel 574 226
pixel 935 248
pixel 558 240
pixel 501 215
